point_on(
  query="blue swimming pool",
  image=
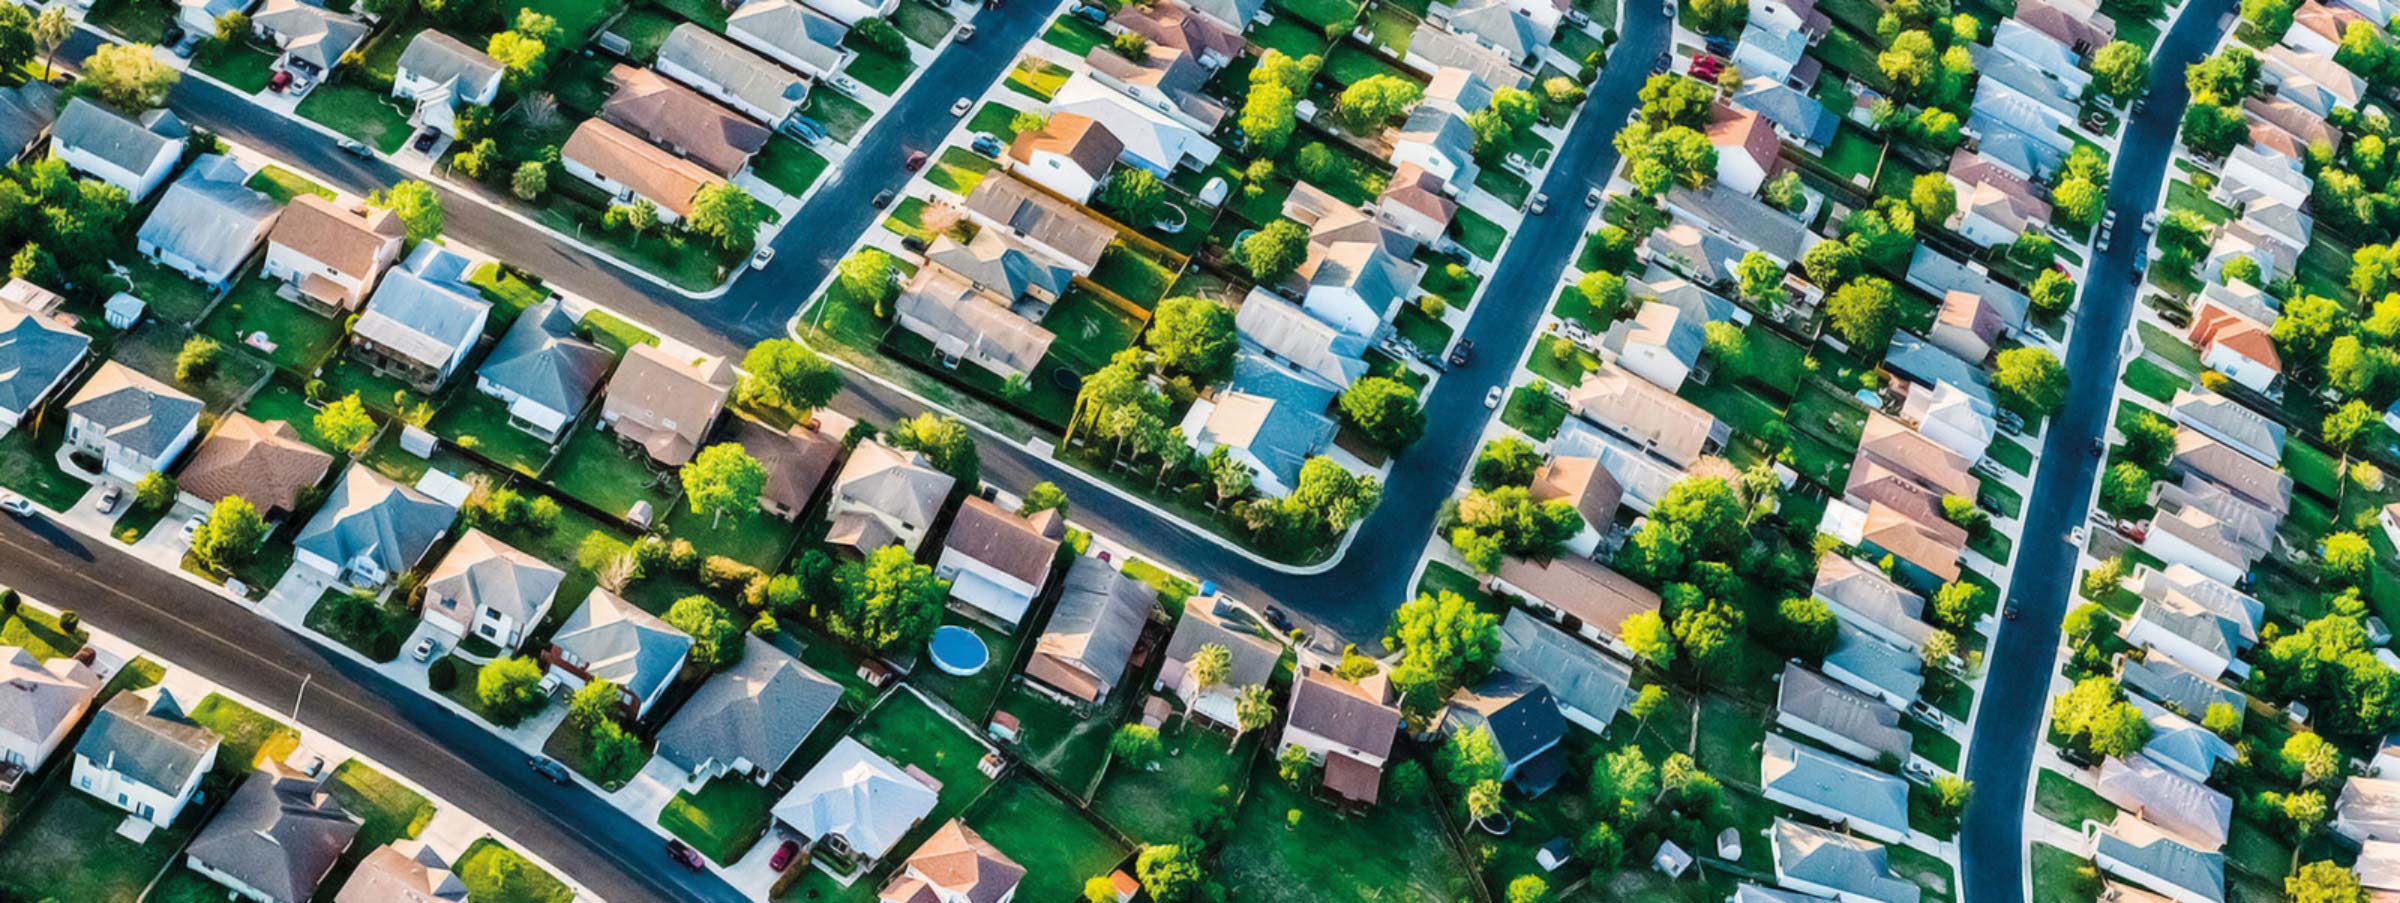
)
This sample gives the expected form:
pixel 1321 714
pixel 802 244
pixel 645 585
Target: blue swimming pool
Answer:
pixel 957 650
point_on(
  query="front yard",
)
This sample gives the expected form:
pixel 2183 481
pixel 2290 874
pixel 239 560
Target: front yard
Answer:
pixel 494 873
pixel 723 820
pixel 360 112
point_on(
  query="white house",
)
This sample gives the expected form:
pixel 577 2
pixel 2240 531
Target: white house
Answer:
pixel 1070 154
pixel 1746 145
pixel 370 530
pixel 2140 852
pixel 208 222
pixel 805 40
pixel 487 588
pixel 1836 866
pixel 440 74
pixel 37 352
pixel 2250 173
pixel 630 169
pixel 858 803
pixel 852 12
pixel 132 424
pixel 40 702
pixel 2233 328
pixel 734 76
pixel 1152 140
pixel 144 756
pixel 1833 788
pixel 132 154
pixel 997 562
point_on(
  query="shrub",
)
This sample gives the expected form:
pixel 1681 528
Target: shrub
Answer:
pixel 721 574
pixel 442 675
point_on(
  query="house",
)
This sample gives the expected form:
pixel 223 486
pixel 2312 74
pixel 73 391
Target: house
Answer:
pixel 798 459
pixel 2312 80
pixel 1836 866
pixel 2175 685
pixel 37 351
pixel 857 804
pixel 542 371
pixel 208 222
pixel 1173 24
pixel 802 39
pixel 2209 529
pixel 1586 484
pixel 682 121
pixel 735 77
pixel 2378 869
pixel 1752 893
pixel 1417 204
pixel 1092 634
pixel 1702 256
pixel 440 75
pixel 403 871
pixel 488 589
pixel 1249 661
pixel 1995 205
pixel 1746 147
pixel 1843 720
pixel 2139 852
pixel 1344 728
pixel 1843 793
pixel 885 497
pixel 2379 12
pixel 1661 343
pixel 955 865
pixel 2250 173
pixel 1940 275
pixel 1165 79
pixel 2084 33
pixel 370 530
pixel 2237 241
pixel 1868 664
pixel 27 112
pixel 1433 48
pixel 144 755
pixel 1948 401
pixel 1070 155
pixel 2287 127
pixel 2188 631
pixel 1798 118
pixel 200 16
pixel 1585 596
pixel 1040 221
pixel 608 638
pixel 851 12
pixel 2179 804
pixel 1589 686
pixel 2368 809
pixel 630 169
pixel 1967 325
pixel 1924 555
pixel 996 561
pixel 2247 614
pixel 313 40
pixel 1273 430
pixel 1781 54
pixel 275 839
pixel 1153 140
pixel 1282 333
pixel 2048 55
pixel 2234 335
pixel 1863 598
pixel 2180 745
pixel 265 464
pixel 748 720
pixel 40 702
pixel 966 324
pixel 2244 476
pixel 2032 156
pixel 1913 475
pixel 131 424
pixel 1436 137
pixel 1357 271
pixel 1743 221
pixel 665 404
pixel 130 153
pixel 2231 423
pixel 1525 725
pixel 996 263
pixel 422 320
pixel 328 257
pixel 1646 416
pixel 1516 29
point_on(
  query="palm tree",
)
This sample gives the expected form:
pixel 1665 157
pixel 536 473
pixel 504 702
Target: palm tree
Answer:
pixel 51 29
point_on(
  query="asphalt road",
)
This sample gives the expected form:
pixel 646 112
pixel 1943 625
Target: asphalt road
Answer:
pixel 2023 658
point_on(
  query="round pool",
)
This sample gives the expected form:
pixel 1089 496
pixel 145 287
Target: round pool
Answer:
pixel 958 651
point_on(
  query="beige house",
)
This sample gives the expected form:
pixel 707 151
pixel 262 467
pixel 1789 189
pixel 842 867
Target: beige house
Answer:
pixel 1092 633
pixel 885 497
pixel 630 169
pixel 996 561
pixel 665 404
pixel 265 464
pixel 328 257
pixel 488 589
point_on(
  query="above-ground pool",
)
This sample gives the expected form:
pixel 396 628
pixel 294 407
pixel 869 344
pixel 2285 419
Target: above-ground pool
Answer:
pixel 957 650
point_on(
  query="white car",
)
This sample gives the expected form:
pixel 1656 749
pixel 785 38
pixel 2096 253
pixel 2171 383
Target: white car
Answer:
pixel 764 256
pixel 1491 399
pixel 192 526
pixel 962 106
pixel 15 504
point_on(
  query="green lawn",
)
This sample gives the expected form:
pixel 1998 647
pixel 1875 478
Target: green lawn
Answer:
pixel 1561 361
pixel 151 349
pixel 479 423
pixel 389 811
pixel 1393 851
pixel 241 65
pixel 248 735
pixel 28 467
pixel 995 119
pixel 1037 78
pixel 1294 38
pixel 613 332
pixel 723 820
pixel 1350 63
pixel 2060 799
pixel 378 638
pixel 1066 746
pixel 878 71
pixel 2007 453
pixel 2174 351
pixel 1090 330
pixel 788 165
pixel 1057 846
pixel 922 22
pixel 2148 378
pixel 37 632
pixel 301 338
pixel 959 170
pixel 1418 328
pixel 1163 805
pixel 841 116
pixel 594 468
pixel 753 537
pixel 493 873
pixel 360 112
pixel 1535 414
pixel 1320 13
pixel 974 694
pixel 643 29
pixel 281 400
pixel 138 21
pixel 1481 237
pixel 171 296
pixel 1132 274
pixel 283 185
pixel 1074 35
pixel 2182 195
pixel 2063 877
pixel 571 746
pixel 66 848
pixel 1938 747
pixel 1509 187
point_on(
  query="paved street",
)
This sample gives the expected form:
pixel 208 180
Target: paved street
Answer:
pixel 2022 658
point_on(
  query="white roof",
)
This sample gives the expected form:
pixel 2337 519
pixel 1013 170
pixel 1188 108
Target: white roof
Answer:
pixel 860 796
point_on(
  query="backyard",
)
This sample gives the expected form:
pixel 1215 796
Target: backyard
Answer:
pixel 1163 805
pixel 289 337
pixel 1058 847
pixel 1393 851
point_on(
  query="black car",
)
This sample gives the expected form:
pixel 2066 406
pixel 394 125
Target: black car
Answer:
pixel 1463 352
pixel 1278 620
pixel 1665 62
pixel 549 768
pixel 684 855
pixel 882 199
pixel 424 143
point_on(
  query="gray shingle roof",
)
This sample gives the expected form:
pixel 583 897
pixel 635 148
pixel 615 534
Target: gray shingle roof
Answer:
pixel 1098 619
pixel 788 27
pixel 104 133
pixel 1519 711
pixel 758 82
pixel 1841 711
pixel 25 112
pixel 2162 678
pixel 1792 111
pixel 438 57
pixel 147 741
pixel 2159 856
pixel 278 834
pixel 485 573
pixel 1250 658
pixel 541 359
pixel 1885 667
pixel 1857 868
pixel 209 217
pixel 620 643
pixel 1336 710
pixel 760 710
pixel 421 311
pixel 1864 795
pixel 1580 676
pixel 371 516
pixel 137 412
pixel 34 353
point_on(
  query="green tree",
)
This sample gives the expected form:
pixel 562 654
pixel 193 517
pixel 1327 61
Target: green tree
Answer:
pixel 1044 496
pixel 1506 461
pixel 1830 264
pixel 2094 714
pixel 1193 336
pixel 154 491
pixel 1726 344
pixel 2052 292
pixel 2031 380
pixel 2223 720
pixel 599 701
pixel 2125 487
pixel 530 181
pixel 197 360
pixel 523 57
pixel 510 688
pixel 1378 98
pixel 1672 99
pixel 2270 17
pixel 1468 757
pixel 723 479
pixel 724 212
pixel 1723 18
pixel 49 30
pixel 946 444
pixel 869 274
pixel 1528 889
pixel 345 424
pixel 1135 193
pixel 1210 664
pixel 786 375
pixel 2121 70
pixel 889 602
pixel 1171 873
pixel 2307 758
pixel 1932 197
pixel 416 203
pixel 2346 557
pixel 127 77
pixel 230 535
pixel 1761 279
pixel 1273 251
pixel 880 36
pixel 1252 710
pixel 1385 410
pixel 716 637
pixel 1804 627
pixel 1448 637
pixel 1958 603
pixel 2323 882
pixel 1627 777
pixel 1864 314
pixel 1136 745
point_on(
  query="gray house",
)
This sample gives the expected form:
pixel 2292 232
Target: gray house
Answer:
pixel 542 371
pixel 36 354
pixel 144 756
pixel 370 530
pixel 132 154
pixel 130 423
pixel 610 639
pixel 275 839
pixel 1846 868
pixel 1589 685
pixel 1858 726
pixel 208 222
pixel 736 77
pixel 747 721
pixel 1835 789
pixel 422 320
pixel 1092 632
pixel 802 39
pixel 1525 725
pixel 26 112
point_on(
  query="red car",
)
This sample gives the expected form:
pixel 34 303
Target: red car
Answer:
pixel 916 161
pixel 783 855
pixel 281 81
pixel 684 855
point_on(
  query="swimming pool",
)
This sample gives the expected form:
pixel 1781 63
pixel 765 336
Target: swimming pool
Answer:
pixel 958 651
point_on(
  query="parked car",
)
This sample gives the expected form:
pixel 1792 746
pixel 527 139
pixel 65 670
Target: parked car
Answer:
pixel 882 199
pixel 961 106
pixel 914 162
pixel 1463 352
pixel 15 504
pixel 280 81
pixel 108 500
pixel 784 855
pixel 684 855
pixel 1278 620
pixel 549 768
pixel 765 255
pixel 1491 399
pixel 424 142
pixel 1539 205
pixel 423 650
pixel 1092 14
pixel 1666 61
pixel 965 34
pixel 1592 198
pixel 988 146
pixel 191 527
pixel 913 243
pixel 355 149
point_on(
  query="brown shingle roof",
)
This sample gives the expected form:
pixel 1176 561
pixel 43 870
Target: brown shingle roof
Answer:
pixel 266 464
pixel 1910 541
pixel 797 460
pixel 665 179
pixel 1593 491
pixel 1019 547
pixel 960 861
pixel 1074 136
pixel 345 240
pixel 1584 589
pixel 680 118
pixel 1030 213
pixel 652 390
pixel 1339 711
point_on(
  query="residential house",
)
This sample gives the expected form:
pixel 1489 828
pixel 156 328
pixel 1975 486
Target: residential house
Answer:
pixel 1967 325
pixel 2180 745
pixel 488 589
pixel 2188 631
pixel 1589 686
pixel 1646 416
pixel 422 320
pixel 143 755
pixel 747 721
pixel 1586 484
pixel 2083 33
pixel 682 121
pixel 2054 58
pixel 37 351
pixel 2379 12
pixel 802 39
pixel 2287 128
pixel 1250 659
pixel 735 77
pixel 275 839
pixel 1092 634
pixel 441 75
pixel 1165 79
pixel 26 113
pixel 1663 340
pixel 2230 422
pixel 1173 24
pixel 2246 613
pixel 370 530
pixel 967 324
pixel 2368 809
pixel 132 424
pixel 1945 398
pixel 2312 80
pixel 1433 48
pixel 1703 256
pixel 2030 155
pixel 542 371
pixel 1940 275
pixel 328 257
pixel 1071 154
pixel 1843 720
pixel 2249 173
pixel 313 39
pixel 265 464
pixel 885 497
pixel 2209 529
pixel 996 561
pixel 1357 271
pixel 1271 422
pixel 665 404
pixel 955 865
pixel 1436 137
pixel 1525 725
pixel 1924 555
pixel 40 703
pixel 2244 476
pixel 134 154
pixel 1743 220
pixel 1040 221
pixel 856 804
pixel 1995 206
pixel 1798 118
pixel 2139 852
pixel 1159 142
pixel 1585 596
pixel 1417 204
pixel 1029 280
pixel 798 459
pixel 608 638
pixel 403 871
pixel 2378 869
pixel 1868 664
pixel 2233 331
pixel 1516 29
pixel 1840 867
pixel 2175 685
pixel 200 16
pixel 1752 893
pixel 1790 15
pixel 208 222
pixel 851 12
pixel 1747 149
pixel 1283 333
pixel 1781 54
pixel 1863 598
pixel 1843 793
pixel 630 169
pixel 2177 803
pixel 1912 474
pixel 1346 729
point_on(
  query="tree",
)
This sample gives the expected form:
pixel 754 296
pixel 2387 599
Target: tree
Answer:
pixel 1252 710
pixel 2125 487
pixel 345 424
pixel 1137 745
pixel 2121 70
pixel 716 638
pixel 2323 882
pixel 1273 251
pixel 1804 627
pixel 1882 235
pixel 1761 279
pixel 1044 496
pixel 154 491
pixel 1932 196
pixel 1134 192
pixel 1193 336
pixel 946 444
pixel 1709 637
pixel 2212 128
pixel 49 30
pixel 1210 665
pixel 1723 18
pixel 1938 129
pixel 1171 873
pixel 2344 425
pixel 1627 777
pixel 1468 757
pixel 723 479
pixel 1276 84
pixel 1671 99
pixel 1830 264
pixel 416 203
pixel 1950 795
pixel 596 703
pixel 2305 331
pixel 2095 715
pixel 197 360
pixel 2346 557
pixel 1378 98
pixel 521 56
pixel 2270 17
pixel 1784 191
pixel 728 214
pixel 784 374
pixel 1864 314
pixel 1506 461
pixel 1098 888
pixel 230 535
pixel 2031 380
pixel 127 77
pixel 1131 45
pixel 881 36
pixel 1447 637
pixel 2078 201
pixel 1958 603
pixel 510 688
pixel 1385 410
pixel 888 602
pixel 870 274
pixel 2307 758
pixel 531 179
pixel 2052 292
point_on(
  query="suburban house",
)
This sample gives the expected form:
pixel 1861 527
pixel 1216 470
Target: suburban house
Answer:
pixel 1070 155
pixel 2230 422
pixel 2082 32
pixel 1995 205
pixel 266 464
pixel 543 371
pixel 275 839
pixel 996 561
pixel 1772 52
pixel 1843 793
pixel 2312 80
pixel 132 154
pixel 2138 851
pixel 1913 475
pixel 1646 417
pixel 328 257
pixel 26 114
pixel 1589 686
pixel 1172 24
pixel 2232 328
pixel 732 75
pixel 313 40
pixel 38 349
pixel 630 169
pixel 1838 717
pixel 967 324
pixel 1040 221
pixel 1271 423
pixel 422 320
pixel 856 806
pixel 370 530
pixel 441 74
pixel 208 222
pixel 2175 685
pixel 1092 634
pixel 1747 149
pixel 40 702
pixel 142 754
pixel 682 121
pixel 610 639
pixel 2042 53
pixel 2368 809
pixel 1742 220
pixel 1868 664
pixel 1249 661
pixel 1524 723
pixel 406 871
pixel 2202 525
pixel 665 404
pixel 2177 803
pixel 2250 174
pixel 487 588
pixel 851 12
pixel 1946 398
pixel 2190 632
pixel 1835 866
pixel 1281 332
pixel 2181 745
pixel 798 458
pixel 1862 597
pixel 1967 325
pixel 1029 280
pixel 1517 29
pixel 955 865
pixel 885 497
pixel 1586 484
pixel 1236 15
pixel 1433 48
pixel 1357 272
pixel 1436 138
pixel 131 424
pixel 1663 339
pixel 1585 596
pixel 805 40
pixel 1924 555
pixel 748 720
pixel 1165 79
pixel 1417 204
pixel 2318 28
pixel 2247 614
pixel 1346 729
pixel 1798 118
pixel 2198 455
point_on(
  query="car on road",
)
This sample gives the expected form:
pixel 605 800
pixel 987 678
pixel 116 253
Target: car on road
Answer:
pixel 914 162
pixel 1491 399
pixel 1539 205
pixel 2141 265
pixel 2150 223
pixel 2139 104
pixel 2099 446
pixel 965 34
pixel 1463 352
pixel 1278 620
pixel 882 199
pixel 549 768
pixel 2109 221
pixel 355 149
pixel 1670 10
pixel 783 856
pixel 2011 612
pixel 2105 234
pixel 1592 198
pixel 2076 537
pixel 961 106
pixel 765 255
pixel 1666 61
pixel 15 504
pixel 684 855
pixel 108 500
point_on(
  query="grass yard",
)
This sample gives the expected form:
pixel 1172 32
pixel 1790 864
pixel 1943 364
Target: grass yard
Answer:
pixel 479 423
pixel 643 29
pixel 1037 78
pixel 753 537
pixel 2062 800
pixel 1294 38
pixel 2007 453
pixel 37 632
pixel 29 468
pixel 1509 187
pixel 360 112
pixel 1319 13
pixel 138 21
pixel 1163 805
pixel 1939 748
pixel 1132 274
pixel 1393 851
pixel 1535 414
pixel 1560 361
pixel 922 22
pixel 1420 329
pixel 493 873
pixel 1350 64
pixel 2063 877
pixel 995 119
pixel 723 820
pixel 301 339
pixel 959 170
pixel 66 848
pixel 248 735
pixel 390 811
pixel 2183 195
pixel 2147 377
pixel 170 295
pixel 2166 347
pixel 1481 237
pixel 975 694
pixel 281 400
pixel 879 72
pixel 1090 330
pixel 1067 746
pixel 1074 35
pixel 612 332
pixel 245 67
pixel 1058 847
pixel 1391 28
pixel 1574 307
pixel 283 185
pixel 788 165
pixel 151 349
pixel 594 468
pixel 841 116
pixel 377 638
